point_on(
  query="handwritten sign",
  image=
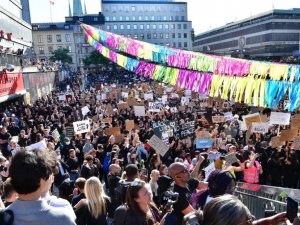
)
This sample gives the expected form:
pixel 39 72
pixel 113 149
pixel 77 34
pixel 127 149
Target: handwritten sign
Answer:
pixel 85 110
pixel 129 124
pixel 251 118
pixel 55 134
pixel 208 170
pixel 170 127
pixel 69 132
pixel 155 107
pixel 261 128
pixel 228 116
pixel 112 131
pixel 218 119
pixel 204 143
pixel 280 118
pixel 231 158
pixel 123 105
pixel 158 145
pixel 62 98
pixel 81 127
pixel 275 142
pixel 148 96
pixel 139 110
pixel 288 135
pixel 187 129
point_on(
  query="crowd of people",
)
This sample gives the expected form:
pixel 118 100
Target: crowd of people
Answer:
pixel 53 176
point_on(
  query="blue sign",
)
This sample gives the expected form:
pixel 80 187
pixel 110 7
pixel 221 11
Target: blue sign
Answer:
pixel 204 143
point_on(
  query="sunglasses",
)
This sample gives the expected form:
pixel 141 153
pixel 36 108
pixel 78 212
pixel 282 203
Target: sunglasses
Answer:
pixel 182 171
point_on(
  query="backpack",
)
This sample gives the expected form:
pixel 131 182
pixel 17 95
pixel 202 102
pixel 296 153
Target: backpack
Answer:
pixel 120 192
pixel 6 217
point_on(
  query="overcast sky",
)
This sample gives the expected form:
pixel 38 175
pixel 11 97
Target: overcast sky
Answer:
pixel 205 14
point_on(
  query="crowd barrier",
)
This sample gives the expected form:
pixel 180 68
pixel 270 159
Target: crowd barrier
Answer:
pixel 259 198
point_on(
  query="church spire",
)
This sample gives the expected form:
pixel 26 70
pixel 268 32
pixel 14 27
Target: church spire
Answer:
pixel 85 12
pixel 77 8
pixel 70 12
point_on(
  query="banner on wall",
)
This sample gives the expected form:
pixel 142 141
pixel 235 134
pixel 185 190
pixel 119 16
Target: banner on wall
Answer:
pixel 11 83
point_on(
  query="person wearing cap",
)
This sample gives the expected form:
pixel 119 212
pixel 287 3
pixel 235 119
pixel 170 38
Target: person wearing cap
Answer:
pixel 88 146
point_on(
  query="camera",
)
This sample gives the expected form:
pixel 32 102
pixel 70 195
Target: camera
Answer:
pixel 170 197
pixel 193 218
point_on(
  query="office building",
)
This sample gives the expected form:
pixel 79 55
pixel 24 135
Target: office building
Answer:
pixel 271 34
pixel 162 22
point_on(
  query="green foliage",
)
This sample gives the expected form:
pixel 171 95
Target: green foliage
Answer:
pixel 61 55
pixel 95 58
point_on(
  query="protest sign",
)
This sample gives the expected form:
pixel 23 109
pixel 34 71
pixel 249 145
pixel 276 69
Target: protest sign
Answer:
pixel 173 110
pixel 184 101
pixel 191 104
pixel 15 139
pixel 295 123
pixel 280 118
pixel 103 96
pixel 164 99
pixel 123 105
pixel 85 110
pixel 158 145
pixel 209 169
pixel 55 134
pixel 275 142
pixel 81 127
pixel 288 135
pixel 131 101
pixel 203 134
pixel 182 108
pixel 251 118
pixel 139 110
pixel 204 143
pixel 188 92
pixel 39 145
pixel 62 98
pixel 129 124
pixel 187 129
pixel 231 158
pixel 218 119
pixel 69 132
pixel 261 128
pixel 112 131
pixel 119 138
pixel 228 116
pixel 124 94
pixel 107 120
pixel 297 143
pixel 148 96
pixel 109 110
pixel 170 127
pixel 155 107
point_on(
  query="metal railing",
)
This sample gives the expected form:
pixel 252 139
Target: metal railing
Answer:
pixel 259 198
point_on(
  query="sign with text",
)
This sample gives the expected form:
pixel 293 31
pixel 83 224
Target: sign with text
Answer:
pixel 275 142
pixel 129 124
pixel 204 143
pixel 112 131
pixel 218 119
pixel 280 118
pixel 148 96
pixel 81 127
pixel 39 145
pixel 228 116
pixel 209 169
pixel 139 110
pixel 158 145
pixel 69 132
pixel 11 83
pixel 261 128
pixel 297 143
pixel 62 98
pixel 187 129
pixel 231 158
pixel 85 110
pixel 169 127
pixel 155 107
pixel 123 105
pixel 251 118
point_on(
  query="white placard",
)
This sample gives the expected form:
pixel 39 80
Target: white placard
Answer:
pixel 170 89
pixel 15 139
pixel 81 127
pixel 154 107
pixel 103 96
pixel 228 116
pixel 139 110
pixel 174 110
pixel 39 145
pixel 188 92
pixel 148 96
pixel 184 101
pixel 280 118
pixel 209 169
pixel 164 99
pixel 98 97
pixel 55 134
pixel 85 110
pixel 62 98
pixel 124 94
pixel 158 145
pixel 261 128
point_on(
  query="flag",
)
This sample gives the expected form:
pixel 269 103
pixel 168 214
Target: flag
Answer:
pixel 51 2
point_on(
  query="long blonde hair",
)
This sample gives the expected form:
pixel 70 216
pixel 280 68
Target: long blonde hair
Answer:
pixel 95 197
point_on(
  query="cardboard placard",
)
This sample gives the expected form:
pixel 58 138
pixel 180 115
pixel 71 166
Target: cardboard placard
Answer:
pixel 203 135
pixel 129 125
pixel 110 110
pixel 123 105
pixel 275 142
pixel 119 138
pixel 251 118
pixel 81 127
pixel 182 108
pixel 158 145
pixel 107 120
pixel 112 131
pixel 297 143
pixel 155 107
pixel 231 158
pixel 288 135
pixel 295 123
pixel 280 118
pixel 218 119
pixel 139 110
pixel 131 101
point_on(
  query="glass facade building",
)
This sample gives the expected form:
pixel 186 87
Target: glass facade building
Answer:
pixel 271 34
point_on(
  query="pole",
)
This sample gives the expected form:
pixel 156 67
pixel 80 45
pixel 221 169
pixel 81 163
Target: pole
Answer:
pixel 50 3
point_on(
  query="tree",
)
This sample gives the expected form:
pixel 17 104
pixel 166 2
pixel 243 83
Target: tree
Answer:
pixel 95 58
pixel 62 55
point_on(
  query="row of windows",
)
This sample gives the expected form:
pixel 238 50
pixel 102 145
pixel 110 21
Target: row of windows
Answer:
pixel 250 30
pixel 145 18
pixel 144 8
pixel 58 38
pixel 51 49
pixel 273 37
pixel 147 27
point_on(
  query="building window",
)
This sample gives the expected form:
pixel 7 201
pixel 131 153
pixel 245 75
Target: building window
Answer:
pixel 128 27
pixel 174 45
pixel 80 19
pixel 165 18
pixel 95 19
pixel 171 18
pixel 141 27
pixel 133 18
pixel 185 35
pixel 182 18
pixel 59 47
pixel 179 44
pixel 67 27
pixel 160 26
pixel 161 35
pixel 176 18
pixel 68 37
pixel 122 27
pixel 154 26
pixel 185 44
pixel 152 18
pixel 167 26
pixel 179 35
pixel 140 18
pixel 142 36
pixel 58 38
pixel 185 26
pixel 121 18
pixel 173 35
pixel 146 18
pixel 178 26
pixel 148 36
pixel 40 39
pixel 172 26
pixel 127 18
pixel 41 50
pixel 69 47
pixel 133 8
pixel 115 27
pixel 168 44
pixel 107 27
pixel 107 18
pixel 135 36
pixel 129 35
pixel 49 38
pixel 50 49
pixel 134 26
pixel 147 26
pixel 167 36
pixel 114 18
pixel 86 50
pixel 155 35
